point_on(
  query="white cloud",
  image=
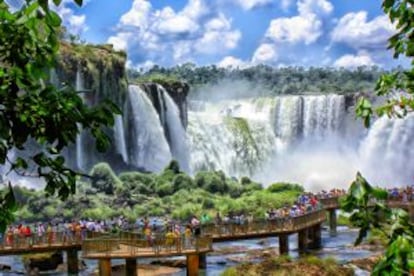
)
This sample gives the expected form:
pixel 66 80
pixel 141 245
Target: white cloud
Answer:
pixel 75 24
pixel 265 53
pixel 285 4
pixel 295 29
pixel 251 4
pixel 357 32
pixel 231 61
pixel 318 7
pixel 353 61
pixel 305 27
pixel 170 36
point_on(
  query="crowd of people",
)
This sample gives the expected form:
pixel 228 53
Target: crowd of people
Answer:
pixel 404 194
pixel 152 228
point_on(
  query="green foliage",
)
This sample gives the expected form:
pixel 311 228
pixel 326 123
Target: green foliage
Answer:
pixel 137 183
pixel 367 213
pixel 286 80
pixel 183 181
pixel 401 14
pixel 214 182
pixel 282 186
pixel 32 108
pixel 104 179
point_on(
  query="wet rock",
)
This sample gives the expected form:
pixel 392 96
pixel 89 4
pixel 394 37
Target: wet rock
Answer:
pixel 42 262
pixel 170 263
pixel 4 267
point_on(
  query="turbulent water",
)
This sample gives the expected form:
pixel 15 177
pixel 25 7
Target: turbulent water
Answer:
pixel 80 158
pixel 313 140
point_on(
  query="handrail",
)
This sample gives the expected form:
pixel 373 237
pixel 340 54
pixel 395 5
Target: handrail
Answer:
pixel 122 247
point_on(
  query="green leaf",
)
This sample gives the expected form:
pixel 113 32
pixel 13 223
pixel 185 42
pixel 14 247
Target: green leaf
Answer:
pixel 79 2
pixel 57 2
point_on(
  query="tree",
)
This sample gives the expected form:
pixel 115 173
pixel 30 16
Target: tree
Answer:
pixel 33 110
pixel 398 86
pixel 362 199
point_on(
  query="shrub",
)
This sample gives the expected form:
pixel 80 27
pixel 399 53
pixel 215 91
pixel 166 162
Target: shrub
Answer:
pixel 104 179
pixel 282 186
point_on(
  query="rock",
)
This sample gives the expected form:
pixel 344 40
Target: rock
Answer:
pixel 64 267
pixel 4 267
pixel 170 263
pixel 43 262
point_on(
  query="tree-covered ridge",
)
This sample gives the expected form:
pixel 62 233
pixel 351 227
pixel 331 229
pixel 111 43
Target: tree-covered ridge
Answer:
pixel 171 193
pixel 284 80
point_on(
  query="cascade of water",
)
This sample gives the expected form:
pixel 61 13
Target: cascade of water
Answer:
pixel 233 136
pixel 386 154
pixel 120 138
pixel 176 132
pixel 244 137
pixel 148 147
pixel 80 157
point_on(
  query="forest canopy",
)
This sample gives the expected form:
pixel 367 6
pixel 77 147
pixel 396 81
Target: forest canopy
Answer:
pixel 283 80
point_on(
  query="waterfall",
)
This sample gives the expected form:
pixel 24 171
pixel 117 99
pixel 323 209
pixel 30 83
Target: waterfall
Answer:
pixel 148 147
pixel 264 137
pixel 120 138
pixel 80 157
pixel 387 152
pixel 170 117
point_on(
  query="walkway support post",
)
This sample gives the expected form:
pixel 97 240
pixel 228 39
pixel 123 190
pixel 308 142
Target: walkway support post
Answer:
pixel 72 261
pixel 315 237
pixel 131 267
pixel 105 267
pixel 283 244
pixel 302 240
pixel 192 264
pixel 332 221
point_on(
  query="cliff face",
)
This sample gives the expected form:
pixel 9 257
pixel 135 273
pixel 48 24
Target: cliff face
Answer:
pixel 102 75
pixel 102 69
pixel 99 73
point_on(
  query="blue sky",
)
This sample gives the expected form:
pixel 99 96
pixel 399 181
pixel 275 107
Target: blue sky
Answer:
pixel 336 33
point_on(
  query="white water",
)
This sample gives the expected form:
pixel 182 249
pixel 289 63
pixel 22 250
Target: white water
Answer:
pixel 176 132
pixel 80 158
pixel 148 147
pixel 120 138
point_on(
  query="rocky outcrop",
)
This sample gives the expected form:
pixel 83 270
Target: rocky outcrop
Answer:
pixel 42 262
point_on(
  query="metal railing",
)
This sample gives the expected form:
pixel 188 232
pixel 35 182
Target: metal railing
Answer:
pixel 271 226
pixel 151 247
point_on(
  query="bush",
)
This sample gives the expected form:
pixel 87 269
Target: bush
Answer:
pixel 213 182
pixel 183 181
pixel 104 179
pixel 282 186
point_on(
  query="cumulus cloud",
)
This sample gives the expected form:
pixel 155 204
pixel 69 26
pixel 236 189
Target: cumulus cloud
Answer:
pixel 170 36
pixel 356 31
pixel 306 27
pixel 75 24
pixel 231 61
pixel 265 53
pixel 353 61
pixel 251 4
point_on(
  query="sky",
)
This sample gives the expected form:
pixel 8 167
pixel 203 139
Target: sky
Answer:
pixel 238 33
